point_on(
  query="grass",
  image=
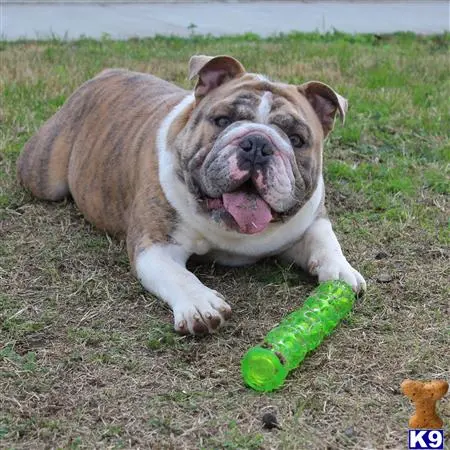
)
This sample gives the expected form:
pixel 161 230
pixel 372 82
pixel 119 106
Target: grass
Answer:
pixel 88 359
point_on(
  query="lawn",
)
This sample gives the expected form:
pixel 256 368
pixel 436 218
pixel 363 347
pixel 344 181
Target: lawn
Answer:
pixel 88 359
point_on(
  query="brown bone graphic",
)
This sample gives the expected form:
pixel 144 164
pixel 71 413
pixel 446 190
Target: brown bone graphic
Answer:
pixel 424 396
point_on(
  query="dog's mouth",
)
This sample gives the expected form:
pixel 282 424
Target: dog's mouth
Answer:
pixel 249 212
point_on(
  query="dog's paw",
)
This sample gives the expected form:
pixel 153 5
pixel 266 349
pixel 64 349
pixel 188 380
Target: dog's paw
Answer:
pixel 202 311
pixel 338 269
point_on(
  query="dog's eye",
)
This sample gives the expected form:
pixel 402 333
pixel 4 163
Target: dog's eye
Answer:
pixel 296 140
pixel 222 121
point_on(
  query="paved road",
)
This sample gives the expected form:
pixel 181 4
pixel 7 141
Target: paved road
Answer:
pixel 129 20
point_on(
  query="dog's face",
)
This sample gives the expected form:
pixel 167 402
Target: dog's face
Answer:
pixel 250 150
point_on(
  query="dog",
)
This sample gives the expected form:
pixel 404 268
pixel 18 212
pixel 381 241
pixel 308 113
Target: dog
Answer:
pixel 230 172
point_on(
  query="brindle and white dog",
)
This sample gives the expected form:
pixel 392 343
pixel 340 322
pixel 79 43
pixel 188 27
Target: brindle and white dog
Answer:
pixel 231 171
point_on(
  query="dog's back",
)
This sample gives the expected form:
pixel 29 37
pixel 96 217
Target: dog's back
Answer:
pixel 100 127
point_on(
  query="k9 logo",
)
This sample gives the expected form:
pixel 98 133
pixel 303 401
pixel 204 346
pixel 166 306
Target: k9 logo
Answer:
pixel 428 439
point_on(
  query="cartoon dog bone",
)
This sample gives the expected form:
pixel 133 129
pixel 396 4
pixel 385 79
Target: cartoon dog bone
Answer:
pixel 424 396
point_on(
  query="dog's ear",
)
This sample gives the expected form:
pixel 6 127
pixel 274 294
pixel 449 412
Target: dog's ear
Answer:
pixel 212 71
pixel 325 102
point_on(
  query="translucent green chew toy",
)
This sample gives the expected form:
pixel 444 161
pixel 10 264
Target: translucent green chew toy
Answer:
pixel 265 367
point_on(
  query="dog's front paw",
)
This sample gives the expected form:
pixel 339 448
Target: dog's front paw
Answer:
pixel 337 268
pixel 202 311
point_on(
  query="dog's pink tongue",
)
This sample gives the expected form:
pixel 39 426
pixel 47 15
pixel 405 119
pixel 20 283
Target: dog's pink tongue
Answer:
pixel 249 210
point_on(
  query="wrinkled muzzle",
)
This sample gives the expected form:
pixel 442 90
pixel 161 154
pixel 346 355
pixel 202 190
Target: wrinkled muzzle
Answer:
pixel 251 173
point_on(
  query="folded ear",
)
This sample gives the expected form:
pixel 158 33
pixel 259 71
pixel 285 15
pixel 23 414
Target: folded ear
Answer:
pixel 212 71
pixel 325 102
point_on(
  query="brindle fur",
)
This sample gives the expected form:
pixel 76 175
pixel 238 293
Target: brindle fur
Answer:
pixel 100 148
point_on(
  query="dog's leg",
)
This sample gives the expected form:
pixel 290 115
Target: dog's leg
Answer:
pixel 44 161
pixel 196 308
pixel 319 253
pixel 160 264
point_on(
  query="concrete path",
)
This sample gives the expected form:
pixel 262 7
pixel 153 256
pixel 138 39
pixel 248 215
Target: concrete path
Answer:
pixel 123 21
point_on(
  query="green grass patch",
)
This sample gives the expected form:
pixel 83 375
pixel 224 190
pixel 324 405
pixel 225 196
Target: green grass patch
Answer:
pixel 24 363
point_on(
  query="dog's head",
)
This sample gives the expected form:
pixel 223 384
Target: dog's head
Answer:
pixel 249 149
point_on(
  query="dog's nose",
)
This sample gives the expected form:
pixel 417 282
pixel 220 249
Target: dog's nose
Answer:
pixel 256 148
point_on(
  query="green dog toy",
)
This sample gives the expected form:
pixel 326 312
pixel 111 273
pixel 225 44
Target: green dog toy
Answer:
pixel 265 367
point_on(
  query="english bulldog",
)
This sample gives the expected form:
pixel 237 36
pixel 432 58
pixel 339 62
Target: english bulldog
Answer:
pixel 231 172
